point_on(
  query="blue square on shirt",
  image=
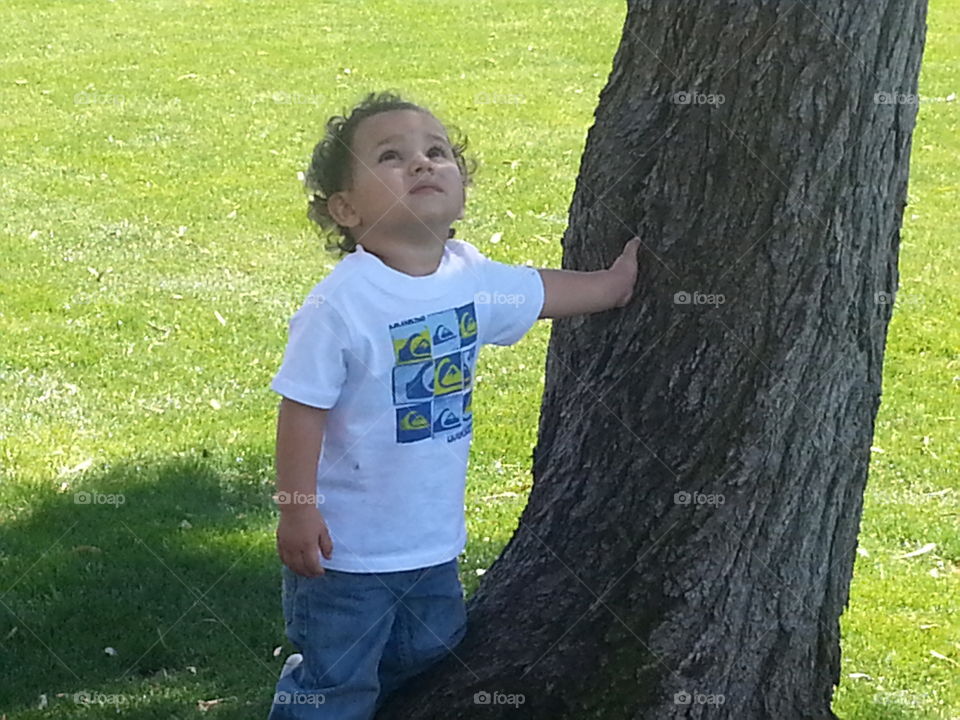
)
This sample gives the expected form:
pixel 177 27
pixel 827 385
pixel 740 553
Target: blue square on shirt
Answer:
pixel 444 332
pixel 412 383
pixel 412 342
pixel 413 422
pixel 468 359
pixel 447 375
pixel 467 322
pixel 446 413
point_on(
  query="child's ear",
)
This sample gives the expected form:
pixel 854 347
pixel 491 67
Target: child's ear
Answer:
pixel 340 210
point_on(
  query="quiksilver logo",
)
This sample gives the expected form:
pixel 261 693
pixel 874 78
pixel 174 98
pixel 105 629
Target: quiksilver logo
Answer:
pixel 409 321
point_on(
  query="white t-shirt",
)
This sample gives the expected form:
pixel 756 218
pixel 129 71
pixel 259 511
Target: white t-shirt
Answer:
pixel 393 356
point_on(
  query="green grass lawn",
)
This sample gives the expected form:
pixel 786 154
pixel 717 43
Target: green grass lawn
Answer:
pixel 154 245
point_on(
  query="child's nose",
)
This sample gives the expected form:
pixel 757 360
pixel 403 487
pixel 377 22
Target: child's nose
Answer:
pixel 420 160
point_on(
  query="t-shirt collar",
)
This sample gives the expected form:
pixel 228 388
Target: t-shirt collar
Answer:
pixel 400 283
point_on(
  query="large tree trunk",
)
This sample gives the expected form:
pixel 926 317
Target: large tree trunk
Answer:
pixel 700 469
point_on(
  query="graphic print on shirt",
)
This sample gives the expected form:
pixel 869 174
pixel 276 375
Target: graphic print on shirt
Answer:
pixel 434 358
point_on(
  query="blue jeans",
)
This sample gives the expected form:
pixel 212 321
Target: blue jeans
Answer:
pixel 362 635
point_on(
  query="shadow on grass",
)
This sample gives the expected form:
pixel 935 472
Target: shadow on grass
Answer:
pixel 192 608
pixel 173 566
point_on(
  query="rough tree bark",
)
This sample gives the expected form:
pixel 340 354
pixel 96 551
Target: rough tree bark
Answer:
pixel 629 590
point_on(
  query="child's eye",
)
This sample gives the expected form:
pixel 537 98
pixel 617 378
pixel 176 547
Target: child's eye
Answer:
pixel 384 155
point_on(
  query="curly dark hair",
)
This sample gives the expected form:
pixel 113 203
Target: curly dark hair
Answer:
pixel 330 166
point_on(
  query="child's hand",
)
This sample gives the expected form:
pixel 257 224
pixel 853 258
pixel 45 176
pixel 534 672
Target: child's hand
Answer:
pixel 300 532
pixel 624 271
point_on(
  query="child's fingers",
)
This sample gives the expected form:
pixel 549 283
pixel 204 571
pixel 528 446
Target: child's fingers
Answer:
pixel 326 544
pixel 311 564
pixel 629 252
pixel 302 564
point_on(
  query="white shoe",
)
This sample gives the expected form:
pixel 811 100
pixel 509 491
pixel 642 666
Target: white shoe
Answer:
pixel 290 664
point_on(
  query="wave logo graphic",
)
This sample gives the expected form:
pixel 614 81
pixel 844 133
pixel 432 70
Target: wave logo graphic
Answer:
pixel 443 334
pixel 448 419
pixel 414 348
pixel 413 423
pixel 468 324
pixel 434 365
pixel 413 420
pixel 447 376
pixel 422 384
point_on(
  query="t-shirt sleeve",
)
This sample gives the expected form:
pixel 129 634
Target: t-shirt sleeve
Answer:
pixel 314 366
pixel 511 297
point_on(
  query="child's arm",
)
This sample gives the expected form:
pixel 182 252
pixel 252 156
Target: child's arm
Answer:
pixel 572 292
pixel 301 529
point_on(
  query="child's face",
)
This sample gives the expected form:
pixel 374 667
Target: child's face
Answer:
pixel 393 152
